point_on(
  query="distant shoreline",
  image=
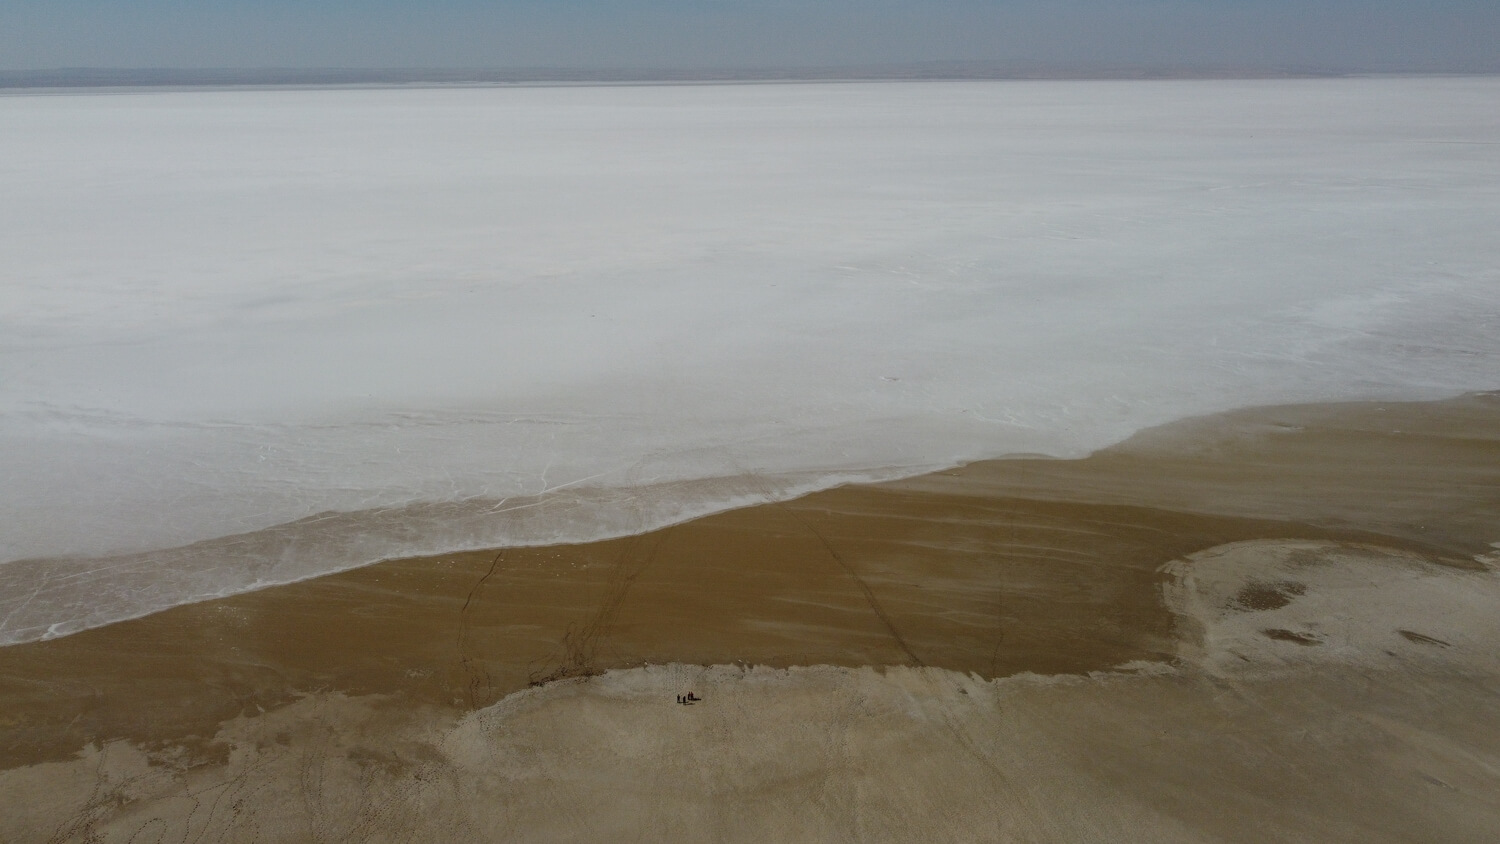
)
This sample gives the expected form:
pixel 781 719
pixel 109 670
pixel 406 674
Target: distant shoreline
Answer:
pixel 74 78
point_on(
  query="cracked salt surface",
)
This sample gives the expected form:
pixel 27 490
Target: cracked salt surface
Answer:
pixel 313 329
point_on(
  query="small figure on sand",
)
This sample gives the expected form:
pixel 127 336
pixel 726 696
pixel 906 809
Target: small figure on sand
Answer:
pixel 688 699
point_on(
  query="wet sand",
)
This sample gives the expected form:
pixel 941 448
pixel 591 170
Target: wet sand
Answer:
pixel 975 581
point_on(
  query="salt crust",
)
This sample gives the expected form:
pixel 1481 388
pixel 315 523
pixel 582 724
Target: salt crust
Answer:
pixel 227 313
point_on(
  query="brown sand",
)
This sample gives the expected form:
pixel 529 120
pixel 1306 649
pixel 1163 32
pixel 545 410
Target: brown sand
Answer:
pixel 1042 566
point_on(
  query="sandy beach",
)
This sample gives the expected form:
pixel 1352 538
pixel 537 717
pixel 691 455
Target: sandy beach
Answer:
pixel 1277 623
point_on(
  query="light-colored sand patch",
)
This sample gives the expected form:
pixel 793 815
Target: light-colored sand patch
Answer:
pixel 822 753
pixel 1253 605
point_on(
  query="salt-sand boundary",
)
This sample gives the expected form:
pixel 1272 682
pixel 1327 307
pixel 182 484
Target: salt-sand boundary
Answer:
pixel 1291 609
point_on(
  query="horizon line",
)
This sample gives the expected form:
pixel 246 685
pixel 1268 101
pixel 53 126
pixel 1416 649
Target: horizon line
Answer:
pixel 151 77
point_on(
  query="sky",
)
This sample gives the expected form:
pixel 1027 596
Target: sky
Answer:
pixel 1340 35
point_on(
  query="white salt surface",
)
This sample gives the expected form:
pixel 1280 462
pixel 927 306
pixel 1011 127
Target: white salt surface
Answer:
pixel 225 311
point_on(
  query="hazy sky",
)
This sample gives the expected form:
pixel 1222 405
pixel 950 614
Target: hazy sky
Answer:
pixel 1421 35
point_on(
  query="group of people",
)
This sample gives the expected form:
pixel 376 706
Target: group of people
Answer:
pixel 688 699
